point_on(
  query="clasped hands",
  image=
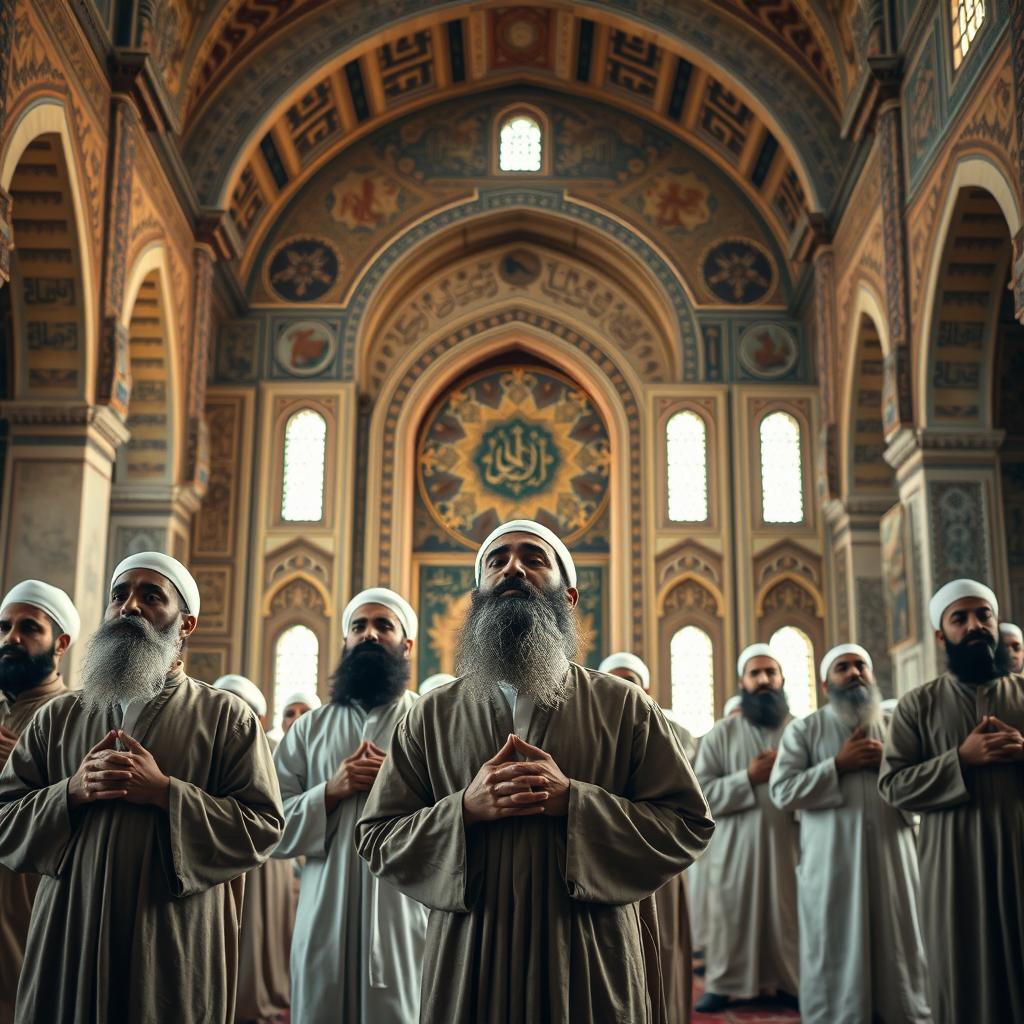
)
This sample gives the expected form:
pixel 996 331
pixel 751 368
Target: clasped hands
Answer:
pixel 992 741
pixel 110 774
pixel 860 753
pixel 509 788
pixel 355 774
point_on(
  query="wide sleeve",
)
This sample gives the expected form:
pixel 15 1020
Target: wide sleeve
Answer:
pixel 726 792
pixel 796 783
pixel 622 848
pixel 217 836
pixel 911 781
pixel 36 826
pixel 417 843
pixel 307 825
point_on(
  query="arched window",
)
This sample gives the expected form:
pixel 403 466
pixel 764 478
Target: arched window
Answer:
pixel 795 652
pixel 519 144
pixel 686 439
pixel 296 665
pixel 693 679
pixel 305 451
pixel 782 479
pixel 968 16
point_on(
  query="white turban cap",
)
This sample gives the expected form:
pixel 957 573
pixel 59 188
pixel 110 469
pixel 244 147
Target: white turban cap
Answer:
pixel 433 682
pixel 753 651
pixel 623 659
pixel 388 598
pixel 49 599
pixel 731 705
pixel 840 649
pixel 954 591
pixel 1009 629
pixel 546 535
pixel 244 688
pixel 168 567
pixel 307 697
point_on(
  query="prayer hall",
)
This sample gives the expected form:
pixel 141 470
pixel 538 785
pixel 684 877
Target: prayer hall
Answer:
pixel 511 513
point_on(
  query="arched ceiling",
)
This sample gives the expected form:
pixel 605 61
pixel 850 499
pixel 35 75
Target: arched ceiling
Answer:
pixel 282 85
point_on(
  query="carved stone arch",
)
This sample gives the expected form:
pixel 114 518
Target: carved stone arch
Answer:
pixel 787 594
pixel 787 558
pixel 297 592
pixel 689 557
pixel 300 559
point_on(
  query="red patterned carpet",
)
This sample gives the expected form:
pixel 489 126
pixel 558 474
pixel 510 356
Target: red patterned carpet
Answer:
pixel 743 1013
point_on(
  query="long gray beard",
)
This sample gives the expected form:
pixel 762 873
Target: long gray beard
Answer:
pixel 525 642
pixel 856 706
pixel 128 659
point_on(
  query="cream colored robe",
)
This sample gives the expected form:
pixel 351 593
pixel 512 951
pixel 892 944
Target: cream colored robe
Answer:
pixel 970 845
pixel 535 918
pixel 750 868
pixel 16 890
pixel 134 920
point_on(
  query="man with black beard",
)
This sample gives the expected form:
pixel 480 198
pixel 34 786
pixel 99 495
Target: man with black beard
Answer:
pixel 139 799
pixel 358 944
pixel 533 805
pixel 858 884
pixel 955 755
pixel 38 623
pixel 751 865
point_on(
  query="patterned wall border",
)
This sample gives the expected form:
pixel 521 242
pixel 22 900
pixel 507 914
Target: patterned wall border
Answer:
pixel 599 359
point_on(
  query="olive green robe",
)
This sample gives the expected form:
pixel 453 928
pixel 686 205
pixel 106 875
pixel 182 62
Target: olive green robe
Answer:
pixel 538 918
pixel 970 846
pixel 16 890
pixel 134 920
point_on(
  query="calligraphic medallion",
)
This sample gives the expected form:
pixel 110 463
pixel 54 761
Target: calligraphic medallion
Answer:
pixel 514 443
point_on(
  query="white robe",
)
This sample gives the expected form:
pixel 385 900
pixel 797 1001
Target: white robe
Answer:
pixel 358 944
pixel 749 869
pixel 861 950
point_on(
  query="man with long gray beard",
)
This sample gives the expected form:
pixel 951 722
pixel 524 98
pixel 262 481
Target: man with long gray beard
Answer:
pixel 955 755
pixel 140 799
pixel 38 622
pixel 751 865
pixel 858 881
pixel 358 943
pixel 533 805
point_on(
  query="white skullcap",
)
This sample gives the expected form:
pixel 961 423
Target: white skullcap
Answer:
pixel 731 705
pixel 529 526
pixel 826 662
pixel 954 591
pixel 307 697
pixel 753 651
pixel 168 567
pixel 244 688
pixel 1009 629
pixel 623 659
pixel 49 599
pixel 433 682
pixel 388 598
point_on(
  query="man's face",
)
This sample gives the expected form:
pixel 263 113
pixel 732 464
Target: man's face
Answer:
pixel 761 673
pixel 970 619
pixel 376 623
pixel 292 714
pixel 147 593
pixel 630 677
pixel 29 651
pixel 847 672
pixel 522 556
pixel 1013 646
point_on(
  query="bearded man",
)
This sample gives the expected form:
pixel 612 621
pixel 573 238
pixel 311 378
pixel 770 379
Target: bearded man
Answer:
pixel 751 866
pixel 955 755
pixel 533 805
pixel 858 883
pixel 139 799
pixel 1012 638
pixel 38 623
pixel 358 944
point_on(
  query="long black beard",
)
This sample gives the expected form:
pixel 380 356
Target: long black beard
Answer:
pixel 525 641
pixel 21 671
pixel 975 664
pixel 764 707
pixel 855 705
pixel 369 674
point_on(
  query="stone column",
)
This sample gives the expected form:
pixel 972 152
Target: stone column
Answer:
pixel 56 499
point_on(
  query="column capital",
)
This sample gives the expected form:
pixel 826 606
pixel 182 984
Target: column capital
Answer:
pixel 75 421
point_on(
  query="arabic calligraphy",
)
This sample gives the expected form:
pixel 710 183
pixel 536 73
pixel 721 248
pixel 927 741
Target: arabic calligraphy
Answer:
pixel 517 458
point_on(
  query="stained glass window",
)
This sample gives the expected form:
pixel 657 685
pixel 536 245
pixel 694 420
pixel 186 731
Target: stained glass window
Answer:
pixel 687 443
pixel 296 665
pixel 795 652
pixel 305 450
pixel 520 144
pixel 782 483
pixel 968 17
pixel 693 679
